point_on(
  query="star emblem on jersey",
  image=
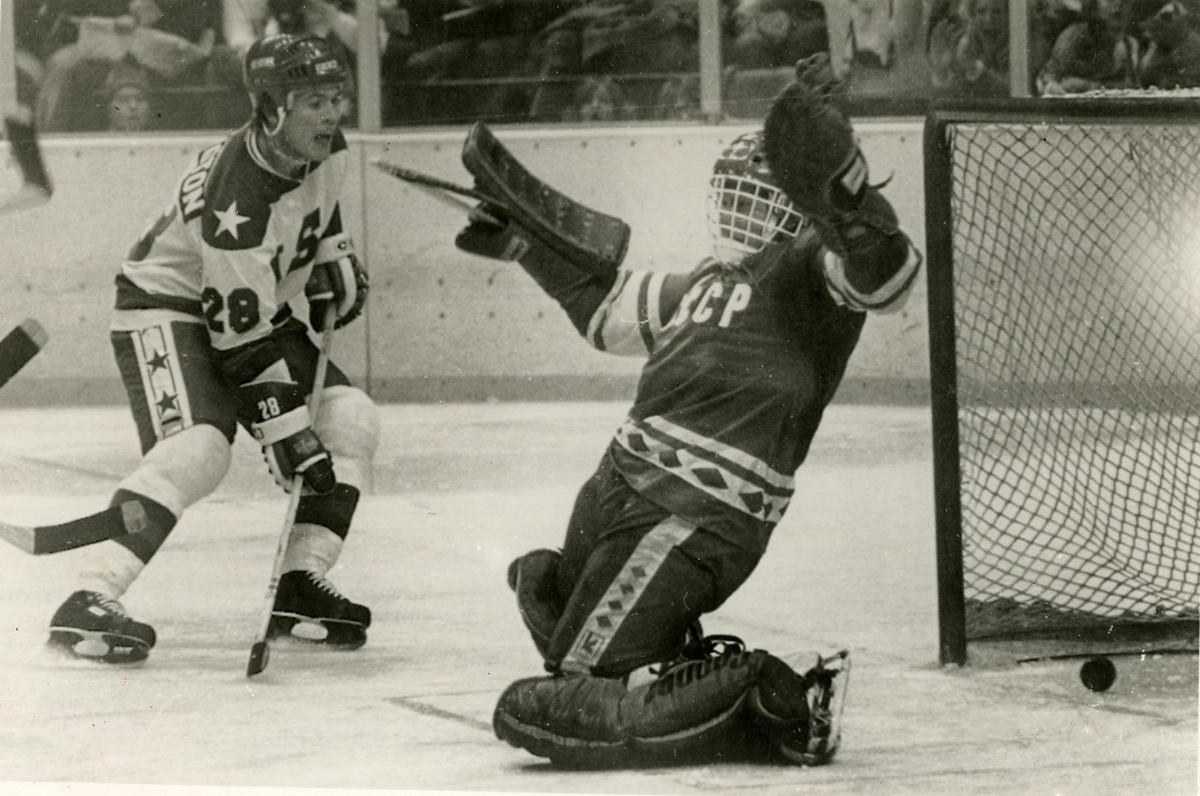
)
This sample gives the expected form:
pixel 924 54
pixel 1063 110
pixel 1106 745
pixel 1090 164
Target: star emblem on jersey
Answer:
pixel 160 375
pixel 228 220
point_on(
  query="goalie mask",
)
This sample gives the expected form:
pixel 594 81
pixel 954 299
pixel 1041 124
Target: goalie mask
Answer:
pixel 746 209
pixel 278 66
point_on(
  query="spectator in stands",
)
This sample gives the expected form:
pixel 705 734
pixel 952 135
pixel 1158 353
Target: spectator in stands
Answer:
pixel 171 39
pixel 774 34
pixel 679 99
pixel 127 97
pixel 967 45
pixel 481 42
pixel 624 38
pixel 767 38
pixel 1093 53
pixel 599 99
pixel 1172 57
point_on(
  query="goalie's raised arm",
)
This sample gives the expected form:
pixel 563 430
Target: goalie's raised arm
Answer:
pixel 814 158
pixel 619 311
pixel 492 233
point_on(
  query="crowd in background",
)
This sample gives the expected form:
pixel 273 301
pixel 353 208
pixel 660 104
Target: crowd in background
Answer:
pixel 176 64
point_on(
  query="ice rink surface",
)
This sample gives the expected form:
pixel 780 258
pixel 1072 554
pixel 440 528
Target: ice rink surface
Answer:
pixel 458 491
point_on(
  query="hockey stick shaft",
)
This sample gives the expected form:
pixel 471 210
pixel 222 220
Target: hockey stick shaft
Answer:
pixel 19 346
pixel 260 651
pixel 35 187
pixel 423 180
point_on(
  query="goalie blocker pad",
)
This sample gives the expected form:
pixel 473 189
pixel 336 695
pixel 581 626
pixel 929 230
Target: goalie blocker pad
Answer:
pixel 702 709
pixel 593 241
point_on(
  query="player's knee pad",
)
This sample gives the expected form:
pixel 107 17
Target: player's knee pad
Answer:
pixel 533 577
pixel 348 425
pixel 697 708
pixel 182 468
pixel 334 510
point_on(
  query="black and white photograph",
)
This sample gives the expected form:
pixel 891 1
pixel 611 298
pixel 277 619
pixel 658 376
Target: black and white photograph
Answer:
pixel 600 397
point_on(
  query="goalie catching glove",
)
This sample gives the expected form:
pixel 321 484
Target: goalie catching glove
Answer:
pixel 284 430
pixel 339 280
pixel 814 157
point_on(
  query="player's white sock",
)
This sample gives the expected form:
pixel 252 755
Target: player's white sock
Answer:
pixel 109 569
pixel 313 548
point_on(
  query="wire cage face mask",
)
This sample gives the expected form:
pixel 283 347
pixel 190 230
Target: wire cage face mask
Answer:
pixel 745 214
pixel 745 209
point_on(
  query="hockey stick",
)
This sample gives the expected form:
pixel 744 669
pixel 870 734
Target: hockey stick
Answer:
pixel 35 183
pixel 446 192
pixel 19 346
pixel 260 651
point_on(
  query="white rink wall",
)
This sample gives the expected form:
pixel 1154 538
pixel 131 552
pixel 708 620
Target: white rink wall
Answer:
pixel 441 325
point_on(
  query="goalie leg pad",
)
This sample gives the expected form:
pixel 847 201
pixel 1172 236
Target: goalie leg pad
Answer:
pixel 534 579
pixel 695 709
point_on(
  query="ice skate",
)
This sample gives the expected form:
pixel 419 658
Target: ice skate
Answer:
pixel 815 742
pixel 309 608
pixel 91 626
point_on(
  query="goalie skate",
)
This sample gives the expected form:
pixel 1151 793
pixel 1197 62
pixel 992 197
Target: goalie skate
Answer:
pixel 308 608
pixel 92 626
pixel 816 741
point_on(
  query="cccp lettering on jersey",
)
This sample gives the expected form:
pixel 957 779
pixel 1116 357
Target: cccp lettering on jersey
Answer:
pixel 714 300
pixel 191 190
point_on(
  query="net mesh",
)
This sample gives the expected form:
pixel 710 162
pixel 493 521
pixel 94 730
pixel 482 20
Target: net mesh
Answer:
pixel 1077 303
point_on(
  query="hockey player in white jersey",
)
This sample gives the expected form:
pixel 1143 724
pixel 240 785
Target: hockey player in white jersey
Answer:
pixel 205 339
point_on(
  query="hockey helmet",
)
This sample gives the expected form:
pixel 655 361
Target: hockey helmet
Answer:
pixel 276 66
pixel 746 209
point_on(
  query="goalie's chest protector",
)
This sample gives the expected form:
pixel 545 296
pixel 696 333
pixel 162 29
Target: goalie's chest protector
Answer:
pixel 734 390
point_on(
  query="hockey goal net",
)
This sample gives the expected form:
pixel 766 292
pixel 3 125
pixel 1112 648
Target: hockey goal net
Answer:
pixel 1063 243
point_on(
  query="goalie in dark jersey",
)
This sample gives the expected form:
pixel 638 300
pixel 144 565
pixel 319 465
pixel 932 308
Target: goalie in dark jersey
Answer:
pixel 744 354
pixel 205 339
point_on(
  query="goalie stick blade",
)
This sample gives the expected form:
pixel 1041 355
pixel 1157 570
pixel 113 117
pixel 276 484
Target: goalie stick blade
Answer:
pixel 260 655
pixel 19 346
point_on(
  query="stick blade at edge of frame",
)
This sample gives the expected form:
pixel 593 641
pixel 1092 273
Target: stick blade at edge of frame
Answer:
pixel 18 536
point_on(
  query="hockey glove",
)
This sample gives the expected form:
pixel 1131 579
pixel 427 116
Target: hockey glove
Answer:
pixel 283 429
pixel 810 145
pixel 337 278
pixel 491 233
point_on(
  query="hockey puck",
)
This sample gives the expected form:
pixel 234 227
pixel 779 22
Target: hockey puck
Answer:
pixel 1098 673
